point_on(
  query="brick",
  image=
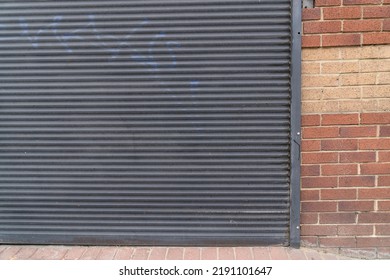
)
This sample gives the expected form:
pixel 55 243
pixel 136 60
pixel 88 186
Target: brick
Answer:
pixel 383 78
pixel 278 253
pixel 310 120
pixel 107 253
pixel 311 67
pixel 337 242
pixel 320 80
pixel 374 144
pixel 384 252
pixel 324 3
pixel 357 181
pixel 362 242
pixel 374 218
pixel 384 205
pixel 9 253
pixel 124 253
pixel 225 253
pixel 358 79
pixel 309 241
pixel 141 253
pixel 310 195
pixel 295 254
pixel 339 144
pixel 261 253
pixel 323 157
pixel 336 67
pixel 51 253
pixel 25 253
pixel 384 181
pixel 356 132
pixel 356 205
pixel 175 253
pixel 75 253
pixel 319 182
pixel 345 119
pixel 358 105
pixel 311 41
pixel 90 253
pixel 336 194
pixel 319 206
pixel 374 193
pixel 243 253
pixel 342 13
pixel 310 145
pixel 310 170
pixel 360 2
pixel 309 218
pixel 341 40
pixel 318 230
pixel 324 107
pixel 311 93
pixel 342 93
pixel 158 253
pixel 311 14
pixel 321 27
pixel 209 253
pixel 320 132
pixel 384 131
pixel 358 157
pixel 383 105
pixel 376 38
pixel 375 65
pixel 366 52
pixel 337 218
pixel 191 253
pixel 321 54
pixel 382 229
pixel 375 168
pixel 382 91
pixel 362 25
pixel 376 12
pixel 355 230
pixel 386 25
pixel 375 118
pixel 366 253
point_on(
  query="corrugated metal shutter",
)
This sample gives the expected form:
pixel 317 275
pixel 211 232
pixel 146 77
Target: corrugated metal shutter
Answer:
pixel 145 122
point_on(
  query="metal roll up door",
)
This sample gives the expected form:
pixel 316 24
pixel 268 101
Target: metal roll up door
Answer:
pixel 145 122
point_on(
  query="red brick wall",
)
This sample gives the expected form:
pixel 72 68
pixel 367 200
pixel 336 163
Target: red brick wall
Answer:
pixel 345 180
pixel 346 23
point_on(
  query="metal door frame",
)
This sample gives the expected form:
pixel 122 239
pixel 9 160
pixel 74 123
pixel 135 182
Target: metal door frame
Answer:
pixel 295 144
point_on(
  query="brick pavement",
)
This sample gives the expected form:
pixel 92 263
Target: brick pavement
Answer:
pixel 27 252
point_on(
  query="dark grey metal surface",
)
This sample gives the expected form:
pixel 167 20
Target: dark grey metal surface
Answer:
pixel 145 122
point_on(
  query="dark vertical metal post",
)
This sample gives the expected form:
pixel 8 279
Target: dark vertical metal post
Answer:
pixel 295 124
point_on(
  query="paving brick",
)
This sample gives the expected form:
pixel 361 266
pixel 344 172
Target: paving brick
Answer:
pixel 124 253
pixel 90 253
pixel 243 253
pixel 192 253
pixel 75 252
pixel 261 253
pixel 209 253
pixel 278 253
pixel 25 253
pixel 9 252
pixel 312 255
pixel 158 253
pixel 107 253
pixel 50 253
pixel 226 253
pixel 295 254
pixel 175 253
pixel 141 253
